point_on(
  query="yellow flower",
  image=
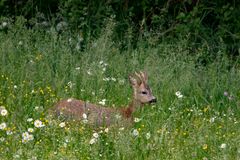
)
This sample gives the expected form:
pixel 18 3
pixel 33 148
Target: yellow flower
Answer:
pixel 205 109
pixel 38 57
pixel 205 147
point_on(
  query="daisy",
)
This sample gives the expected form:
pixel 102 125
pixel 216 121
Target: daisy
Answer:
pixel 25 135
pixel 95 135
pixel 179 94
pixel 31 130
pixel 38 124
pixel 3 126
pixel 4 112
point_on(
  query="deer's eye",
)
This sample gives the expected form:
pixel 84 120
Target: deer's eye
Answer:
pixel 144 92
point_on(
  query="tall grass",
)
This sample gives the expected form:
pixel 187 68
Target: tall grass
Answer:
pixel 38 68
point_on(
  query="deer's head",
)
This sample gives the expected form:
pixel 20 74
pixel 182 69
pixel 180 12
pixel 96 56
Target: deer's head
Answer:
pixel 141 90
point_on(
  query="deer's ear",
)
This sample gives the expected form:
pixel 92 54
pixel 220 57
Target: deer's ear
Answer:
pixel 133 80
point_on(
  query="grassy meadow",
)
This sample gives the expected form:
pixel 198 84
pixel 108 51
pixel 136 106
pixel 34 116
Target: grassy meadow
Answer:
pixel 196 117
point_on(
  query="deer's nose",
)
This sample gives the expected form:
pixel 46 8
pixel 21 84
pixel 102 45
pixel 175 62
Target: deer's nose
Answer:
pixel 154 100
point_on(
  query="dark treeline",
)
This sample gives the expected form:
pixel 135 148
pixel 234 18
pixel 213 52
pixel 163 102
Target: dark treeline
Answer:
pixel 212 23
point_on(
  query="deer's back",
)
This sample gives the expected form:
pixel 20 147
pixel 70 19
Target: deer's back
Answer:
pixel 97 115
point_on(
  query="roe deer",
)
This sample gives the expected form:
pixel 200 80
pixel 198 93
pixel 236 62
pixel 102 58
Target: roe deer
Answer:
pixel 99 115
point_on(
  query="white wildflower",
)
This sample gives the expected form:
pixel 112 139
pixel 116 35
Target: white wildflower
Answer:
pixel 137 120
pixel 135 132
pixel 67 140
pixel 4 24
pixel 8 132
pixel 77 68
pixel 4 112
pixel 225 93
pixel 25 135
pixel 103 64
pixel 69 100
pixel 106 79
pixel 212 119
pixel 30 137
pixel 38 124
pixel 118 116
pixel 95 135
pixel 89 72
pixel 223 146
pixel 106 130
pixel 39 108
pixel 84 116
pixel 15 87
pixel 148 135
pixel 104 69
pixel 29 120
pixel 24 140
pixel 121 129
pixel 3 125
pixel 92 141
pixel 65 145
pixel 20 43
pixel 179 94
pixel 62 124
pixel 102 102
pixel 31 130
pixel 70 84
pixel 113 79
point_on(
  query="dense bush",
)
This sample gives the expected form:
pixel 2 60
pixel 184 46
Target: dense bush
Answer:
pixel 200 22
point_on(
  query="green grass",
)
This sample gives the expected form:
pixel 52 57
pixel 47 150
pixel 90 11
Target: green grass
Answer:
pixel 39 68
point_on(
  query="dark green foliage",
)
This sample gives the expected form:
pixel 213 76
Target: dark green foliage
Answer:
pixel 201 23
pixel 28 8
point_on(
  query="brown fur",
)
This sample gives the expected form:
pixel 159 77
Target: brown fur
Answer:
pixel 99 115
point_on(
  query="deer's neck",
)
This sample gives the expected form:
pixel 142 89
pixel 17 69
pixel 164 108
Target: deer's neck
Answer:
pixel 128 111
